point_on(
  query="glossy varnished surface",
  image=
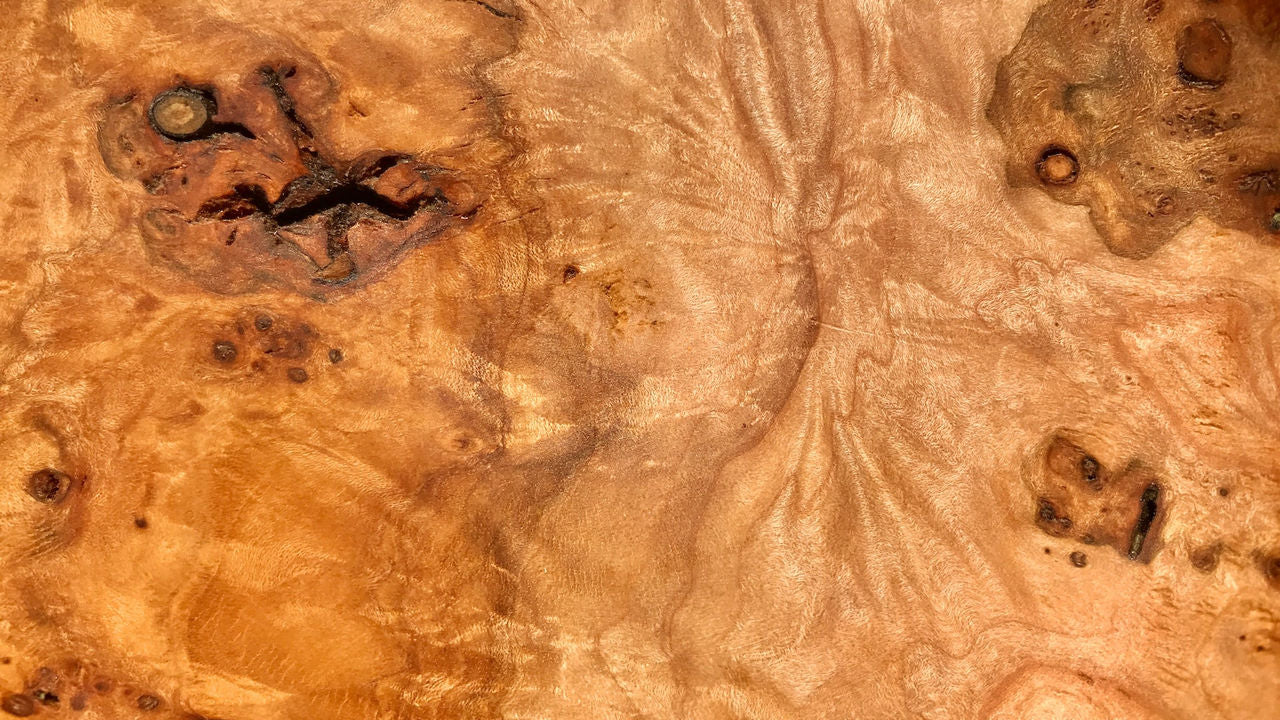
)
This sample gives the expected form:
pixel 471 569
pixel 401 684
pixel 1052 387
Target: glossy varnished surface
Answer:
pixel 766 360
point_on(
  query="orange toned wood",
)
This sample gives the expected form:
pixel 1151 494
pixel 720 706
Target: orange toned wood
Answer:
pixel 668 360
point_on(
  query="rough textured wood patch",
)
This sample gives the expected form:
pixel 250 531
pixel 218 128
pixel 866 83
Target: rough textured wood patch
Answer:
pixel 1167 105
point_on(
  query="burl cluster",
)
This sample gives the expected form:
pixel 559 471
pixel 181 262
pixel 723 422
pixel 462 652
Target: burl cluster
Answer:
pixel 245 195
pixel 1150 113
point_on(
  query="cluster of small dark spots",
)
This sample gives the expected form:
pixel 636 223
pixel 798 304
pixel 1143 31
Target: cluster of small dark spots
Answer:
pixel 335 356
pixel 1089 468
pixel 1079 559
pixel 140 522
pixel 571 272
pixel 1048 514
pixel 225 351
pixel 297 374
pixel 148 702
pixel 19 705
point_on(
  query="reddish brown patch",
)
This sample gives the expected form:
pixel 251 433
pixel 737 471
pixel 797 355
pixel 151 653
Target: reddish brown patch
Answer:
pixel 1205 559
pixel 1079 497
pixel 1204 53
pixel 236 211
pixel 18 705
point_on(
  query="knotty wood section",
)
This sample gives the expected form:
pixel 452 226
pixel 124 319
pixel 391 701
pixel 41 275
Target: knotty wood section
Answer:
pixel 720 359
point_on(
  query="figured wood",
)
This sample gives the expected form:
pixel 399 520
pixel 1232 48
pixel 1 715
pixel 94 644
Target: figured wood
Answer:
pixel 601 359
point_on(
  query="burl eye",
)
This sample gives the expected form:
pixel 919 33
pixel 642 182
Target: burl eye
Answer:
pixel 182 113
pixel 1057 166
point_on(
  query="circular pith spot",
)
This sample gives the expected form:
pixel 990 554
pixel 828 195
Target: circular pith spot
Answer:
pixel 225 351
pixel 1205 559
pixel 1057 166
pixel 48 485
pixel 1204 54
pixel 181 113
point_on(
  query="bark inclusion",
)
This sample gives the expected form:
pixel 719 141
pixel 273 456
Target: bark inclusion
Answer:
pixel 223 212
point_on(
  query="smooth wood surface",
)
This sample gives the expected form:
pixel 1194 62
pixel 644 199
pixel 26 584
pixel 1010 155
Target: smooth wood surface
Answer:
pixel 768 360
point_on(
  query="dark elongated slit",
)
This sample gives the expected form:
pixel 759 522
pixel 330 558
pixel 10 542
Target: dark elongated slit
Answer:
pixel 1149 504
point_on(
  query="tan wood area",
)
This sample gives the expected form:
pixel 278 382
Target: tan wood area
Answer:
pixel 640 360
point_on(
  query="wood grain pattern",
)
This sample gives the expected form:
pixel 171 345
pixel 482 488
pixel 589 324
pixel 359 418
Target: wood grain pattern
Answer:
pixel 600 359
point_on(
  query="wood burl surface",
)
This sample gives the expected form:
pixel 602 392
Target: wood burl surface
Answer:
pixel 754 359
